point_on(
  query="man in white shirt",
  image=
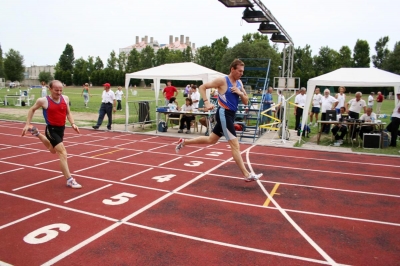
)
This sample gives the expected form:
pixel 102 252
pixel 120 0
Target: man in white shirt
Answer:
pixel 281 108
pixel 108 103
pixel 371 100
pixel 300 101
pixel 355 105
pixel 328 102
pixel 118 96
pixel 368 117
pixel 316 106
pixel 341 97
pixel 195 96
pixel 393 127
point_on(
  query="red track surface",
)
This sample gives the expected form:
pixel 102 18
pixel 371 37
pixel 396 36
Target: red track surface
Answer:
pixel 193 208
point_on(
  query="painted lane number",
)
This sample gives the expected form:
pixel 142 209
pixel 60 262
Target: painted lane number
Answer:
pixel 215 153
pixel 47 233
pixel 121 199
pixel 193 163
pixel 163 178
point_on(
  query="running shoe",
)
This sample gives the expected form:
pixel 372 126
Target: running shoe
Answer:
pixel 252 177
pixel 71 182
pixel 179 146
pixel 35 132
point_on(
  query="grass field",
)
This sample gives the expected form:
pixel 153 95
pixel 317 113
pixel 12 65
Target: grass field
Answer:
pixel 146 94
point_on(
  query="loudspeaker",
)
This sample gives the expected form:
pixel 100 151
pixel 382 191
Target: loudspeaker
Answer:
pixel 372 141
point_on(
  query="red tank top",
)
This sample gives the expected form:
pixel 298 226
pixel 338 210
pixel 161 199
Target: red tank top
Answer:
pixel 56 113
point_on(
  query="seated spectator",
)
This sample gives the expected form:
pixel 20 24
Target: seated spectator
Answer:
pixel 186 118
pixel 368 117
pixel 173 107
pixel 340 128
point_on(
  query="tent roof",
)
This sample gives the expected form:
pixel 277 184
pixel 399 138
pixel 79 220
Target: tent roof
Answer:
pixel 178 71
pixel 358 77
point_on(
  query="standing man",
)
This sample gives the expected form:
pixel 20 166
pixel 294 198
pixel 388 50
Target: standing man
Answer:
pixel 355 105
pixel 393 127
pixel 267 102
pixel 316 106
pixel 281 107
pixel 230 88
pixel 118 96
pixel 341 97
pixel 55 111
pixel 379 100
pixel 195 96
pixel 327 103
pixel 108 103
pixel 371 100
pixel 300 101
pixel 169 91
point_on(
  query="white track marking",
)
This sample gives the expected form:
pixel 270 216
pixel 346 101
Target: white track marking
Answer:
pixel 177 158
pixel 90 152
pixel 60 206
pixel 90 167
pixel 11 171
pixel 24 218
pixel 2 263
pixel 123 179
pixel 55 160
pixel 19 155
pixel 36 183
pixel 190 153
pixel 290 220
pixel 158 147
pixel 129 156
pixel 90 192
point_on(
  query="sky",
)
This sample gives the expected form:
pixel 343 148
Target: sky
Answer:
pixel 40 29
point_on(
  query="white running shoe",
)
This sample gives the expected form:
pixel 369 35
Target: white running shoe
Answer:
pixel 71 182
pixel 252 177
pixel 179 146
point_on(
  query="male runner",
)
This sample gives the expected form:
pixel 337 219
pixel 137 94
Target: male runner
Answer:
pixel 55 110
pixel 230 88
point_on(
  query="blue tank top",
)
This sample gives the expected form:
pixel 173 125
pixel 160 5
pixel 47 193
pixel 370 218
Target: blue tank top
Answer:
pixel 229 100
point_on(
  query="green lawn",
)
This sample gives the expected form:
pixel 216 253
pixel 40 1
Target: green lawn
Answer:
pixel 146 94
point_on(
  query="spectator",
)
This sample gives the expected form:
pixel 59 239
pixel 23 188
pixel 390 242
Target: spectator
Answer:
pixel 281 108
pixel 328 102
pixel 393 127
pixel 186 92
pixel 186 118
pixel 266 102
pixel 300 101
pixel 340 128
pixel 107 106
pixel 44 89
pixel 371 100
pixel 316 106
pixel 118 96
pixel 195 96
pixel 379 100
pixel 369 116
pixel 355 105
pixel 86 94
pixel 169 91
pixel 341 97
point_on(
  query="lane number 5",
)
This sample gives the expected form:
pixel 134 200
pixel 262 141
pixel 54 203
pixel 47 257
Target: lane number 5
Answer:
pixel 121 199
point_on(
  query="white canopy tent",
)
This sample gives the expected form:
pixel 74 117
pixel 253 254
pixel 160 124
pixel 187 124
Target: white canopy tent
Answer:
pixel 351 77
pixel 178 71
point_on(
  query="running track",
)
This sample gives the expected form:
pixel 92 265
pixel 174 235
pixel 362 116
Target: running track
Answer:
pixel 142 204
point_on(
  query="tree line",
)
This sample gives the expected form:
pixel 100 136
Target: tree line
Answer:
pixel 216 56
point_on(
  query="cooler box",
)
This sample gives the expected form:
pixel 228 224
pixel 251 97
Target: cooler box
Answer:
pixel 372 141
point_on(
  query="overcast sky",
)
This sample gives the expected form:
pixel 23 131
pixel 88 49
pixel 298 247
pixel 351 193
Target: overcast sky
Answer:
pixel 40 29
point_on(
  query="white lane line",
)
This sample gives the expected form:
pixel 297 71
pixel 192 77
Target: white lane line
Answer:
pixel 20 155
pixel 227 244
pixel 129 156
pixel 90 192
pixel 324 171
pixel 55 160
pixel 95 150
pixel 11 171
pixel 123 179
pixel 37 183
pixel 327 160
pixel 190 153
pixel 112 227
pixel 150 138
pixel 93 166
pixel 290 220
pixel 162 146
pixel 24 218
pixel 2 263
pixel 177 158
pixel 60 206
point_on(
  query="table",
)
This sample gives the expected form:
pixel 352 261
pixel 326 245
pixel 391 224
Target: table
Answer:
pixel 349 124
pixel 198 113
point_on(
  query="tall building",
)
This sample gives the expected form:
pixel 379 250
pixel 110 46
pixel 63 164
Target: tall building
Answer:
pixel 179 44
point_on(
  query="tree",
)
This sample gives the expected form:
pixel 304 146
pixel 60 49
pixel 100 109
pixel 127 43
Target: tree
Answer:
pixel 122 61
pixel 187 54
pixel 81 74
pixel 98 64
pixel 2 73
pixel 204 56
pixel 112 61
pixel 161 56
pixel 326 60
pixel 382 52
pixel 303 66
pixel 66 61
pixel 392 63
pixel 361 54
pixel 133 63
pixel 344 59
pixel 14 66
pixel 254 37
pixel 146 57
pixel 45 76
pixel 218 49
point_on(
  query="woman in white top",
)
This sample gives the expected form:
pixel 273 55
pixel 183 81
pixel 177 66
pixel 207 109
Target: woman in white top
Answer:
pixel 44 89
pixel 341 97
pixel 118 96
pixel 186 118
